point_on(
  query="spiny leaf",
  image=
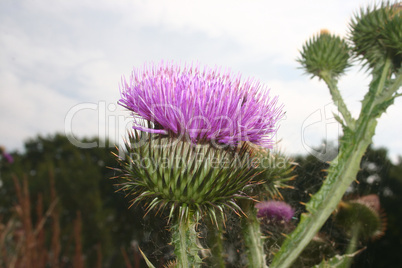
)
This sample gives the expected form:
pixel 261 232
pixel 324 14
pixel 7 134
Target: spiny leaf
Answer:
pixel 336 261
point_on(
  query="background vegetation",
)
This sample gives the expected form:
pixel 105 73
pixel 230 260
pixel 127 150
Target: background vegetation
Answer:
pixel 59 208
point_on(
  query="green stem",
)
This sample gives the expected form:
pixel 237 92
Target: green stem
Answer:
pixel 392 89
pixel 341 174
pixel 384 76
pixel 252 236
pixel 215 243
pixel 338 100
pixel 352 246
pixel 376 89
pixel 184 239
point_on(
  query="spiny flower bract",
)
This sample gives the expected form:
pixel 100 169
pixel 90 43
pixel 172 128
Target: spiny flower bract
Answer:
pixel 169 173
pixel 201 104
pixel 275 173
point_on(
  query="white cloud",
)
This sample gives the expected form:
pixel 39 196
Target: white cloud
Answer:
pixel 263 27
pixel 58 54
pixel 29 108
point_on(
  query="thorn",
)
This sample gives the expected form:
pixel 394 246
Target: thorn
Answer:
pixel 302 203
pixel 342 204
pixel 284 235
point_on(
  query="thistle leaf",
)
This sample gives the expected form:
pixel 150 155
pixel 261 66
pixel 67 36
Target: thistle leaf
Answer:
pixel 336 261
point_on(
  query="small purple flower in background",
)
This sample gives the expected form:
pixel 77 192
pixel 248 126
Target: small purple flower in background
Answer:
pixel 201 104
pixel 6 156
pixel 275 211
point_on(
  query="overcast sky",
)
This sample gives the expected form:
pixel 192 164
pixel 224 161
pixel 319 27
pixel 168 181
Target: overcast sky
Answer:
pixel 61 62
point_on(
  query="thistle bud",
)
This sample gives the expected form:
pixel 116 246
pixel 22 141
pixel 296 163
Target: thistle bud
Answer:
pixel 377 35
pixel 325 53
pixel 363 212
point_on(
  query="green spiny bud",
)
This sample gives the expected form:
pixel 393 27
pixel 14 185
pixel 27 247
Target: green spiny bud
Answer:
pixel 363 212
pixel 377 35
pixel 325 53
pixel 393 36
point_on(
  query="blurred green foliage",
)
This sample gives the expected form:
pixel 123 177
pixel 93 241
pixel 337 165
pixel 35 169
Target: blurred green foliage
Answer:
pixel 83 183
pixel 82 180
pixel 377 175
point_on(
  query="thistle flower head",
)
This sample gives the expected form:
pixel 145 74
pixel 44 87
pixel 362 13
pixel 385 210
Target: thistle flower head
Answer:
pixel 180 115
pixel 275 211
pixel 201 104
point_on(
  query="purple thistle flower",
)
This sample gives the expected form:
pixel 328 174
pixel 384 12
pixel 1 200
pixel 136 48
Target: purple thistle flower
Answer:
pixel 275 211
pixel 200 104
pixel 8 158
pixel 6 155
